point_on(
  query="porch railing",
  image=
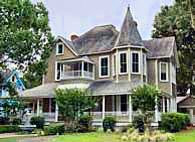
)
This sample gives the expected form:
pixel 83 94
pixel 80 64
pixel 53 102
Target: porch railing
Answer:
pixel 77 74
pixel 49 117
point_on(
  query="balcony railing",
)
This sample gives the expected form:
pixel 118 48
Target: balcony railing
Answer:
pixel 77 74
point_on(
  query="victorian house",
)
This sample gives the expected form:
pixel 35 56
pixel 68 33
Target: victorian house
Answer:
pixel 109 63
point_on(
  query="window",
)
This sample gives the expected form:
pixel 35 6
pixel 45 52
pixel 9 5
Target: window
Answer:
pixel 59 70
pixel 124 103
pixel 59 49
pixel 135 62
pixel 123 63
pixel 104 66
pixel 163 72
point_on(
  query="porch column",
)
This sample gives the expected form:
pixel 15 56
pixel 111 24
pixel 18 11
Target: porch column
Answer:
pixel 82 69
pixel 156 110
pixel 38 107
pixel 56 113
pixel 171 105
pixel 103 107
pixel 130 109
pixel 168 105
pixel 33 107
pixel 163 104
pixel 50 105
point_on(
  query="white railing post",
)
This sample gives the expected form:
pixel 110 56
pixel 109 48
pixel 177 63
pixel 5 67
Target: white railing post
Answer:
pixel 38 107
pixel 103 107
pixel 130 109
pixel 50 105
pixel 56 113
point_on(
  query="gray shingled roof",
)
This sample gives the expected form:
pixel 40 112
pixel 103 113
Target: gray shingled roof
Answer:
pixel 100 38
pixel 108 87
pixel 43 91
pixel 160 47
pixel 129 34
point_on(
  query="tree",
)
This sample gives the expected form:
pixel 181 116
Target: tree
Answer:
pixel 34 75
pixel 25 34
pixel 176 20
pixel 73 103
pixel 144 99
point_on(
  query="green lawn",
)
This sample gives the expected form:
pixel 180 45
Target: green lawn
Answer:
pixel 185 136
pixel 188 136
pixel 88 137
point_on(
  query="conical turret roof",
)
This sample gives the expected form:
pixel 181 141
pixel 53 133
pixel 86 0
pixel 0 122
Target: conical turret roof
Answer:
pixel 129 34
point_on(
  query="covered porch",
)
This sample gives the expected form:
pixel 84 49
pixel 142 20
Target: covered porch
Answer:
pixel 120 107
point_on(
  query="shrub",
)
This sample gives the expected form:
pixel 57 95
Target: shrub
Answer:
pixel 9 128
pixel 85 123
pixel 16 121
pixel 54 129
pixel 138 123
pixel 109 123
pixel 174 122
pixel 4 120
pixel 38 121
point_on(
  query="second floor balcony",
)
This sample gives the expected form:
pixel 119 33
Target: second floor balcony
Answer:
pixel 81 68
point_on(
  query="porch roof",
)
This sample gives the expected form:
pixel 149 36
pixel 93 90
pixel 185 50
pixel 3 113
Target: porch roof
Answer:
pixel 42 91
pixel 108 87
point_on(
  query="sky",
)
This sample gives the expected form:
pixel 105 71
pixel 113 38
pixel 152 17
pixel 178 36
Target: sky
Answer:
pixel 69 17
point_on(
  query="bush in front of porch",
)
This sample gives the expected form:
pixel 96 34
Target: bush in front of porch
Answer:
pixel 73 103
pixel 145 100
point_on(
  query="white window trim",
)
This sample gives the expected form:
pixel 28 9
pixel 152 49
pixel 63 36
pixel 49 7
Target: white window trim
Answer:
pixel 56 71
pixel 122 52
pixel 60 43
pixel 139 67
pixel 113 64
pixel 167 72
pixel 104 76
pixel 145 61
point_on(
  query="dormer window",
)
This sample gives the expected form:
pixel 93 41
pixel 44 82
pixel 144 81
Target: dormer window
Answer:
pixel 123 62
pixel 163 72
pixel 59 49
pixel 135 62
pixel 104 66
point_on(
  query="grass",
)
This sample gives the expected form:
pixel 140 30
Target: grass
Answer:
pixel 88 137
pixel 185 136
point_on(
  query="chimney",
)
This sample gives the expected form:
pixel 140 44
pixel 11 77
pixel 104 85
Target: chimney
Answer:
pixel 73 37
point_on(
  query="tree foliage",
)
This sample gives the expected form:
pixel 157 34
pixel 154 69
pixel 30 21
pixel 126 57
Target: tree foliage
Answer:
pixel 144 97
pixel 176 20
pixel 25 34
pixel 73 103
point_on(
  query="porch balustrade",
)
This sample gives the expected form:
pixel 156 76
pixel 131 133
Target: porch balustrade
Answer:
pixel 77 74
pixel 49 116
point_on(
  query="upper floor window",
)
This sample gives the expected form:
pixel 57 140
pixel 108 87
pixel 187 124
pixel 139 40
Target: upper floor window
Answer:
pixel 104 66
pixel 123 63
pixel 59 48
pixel 163 71
pixel 135 62
pixel 59 70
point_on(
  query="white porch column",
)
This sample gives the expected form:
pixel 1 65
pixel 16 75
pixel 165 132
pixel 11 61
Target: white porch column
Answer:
pixel 56 113
pixel 130 109
pixel 33 107
pixel 156 110
pixel 163 104
pixel 168 105
pixel 38 107
pixel 82 69
pixel 103 107
pixel 50 105
pixel 171 105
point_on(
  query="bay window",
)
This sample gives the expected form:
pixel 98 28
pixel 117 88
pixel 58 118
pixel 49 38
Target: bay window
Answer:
pixel 135 62
pixel 123 63
pixel 104 66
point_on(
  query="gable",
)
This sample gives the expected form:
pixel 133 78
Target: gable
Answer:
pixel 188 102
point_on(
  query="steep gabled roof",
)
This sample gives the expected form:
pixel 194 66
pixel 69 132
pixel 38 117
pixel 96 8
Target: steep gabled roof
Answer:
pixel 160 47
pixel 129 34
pixel 98 39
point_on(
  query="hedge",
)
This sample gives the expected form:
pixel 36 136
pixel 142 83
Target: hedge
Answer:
pixel 54 129
pixel 38 121
pixel 9 128
pixel 174 122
